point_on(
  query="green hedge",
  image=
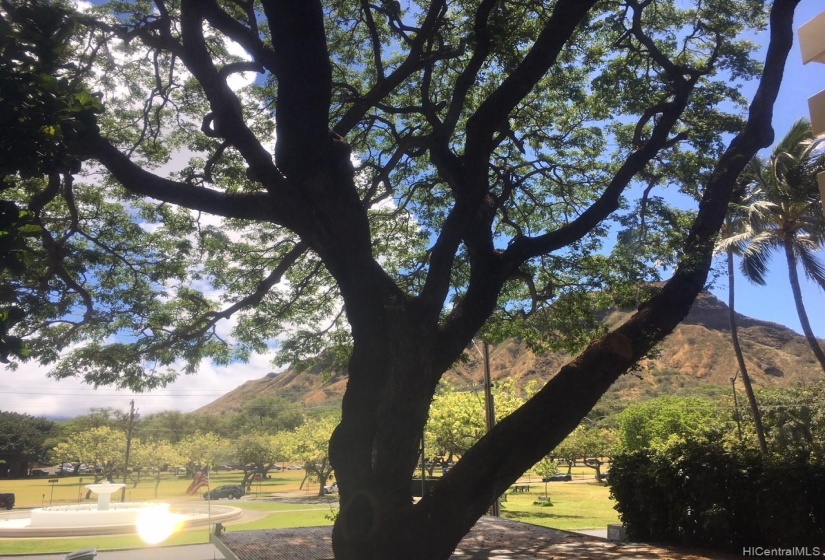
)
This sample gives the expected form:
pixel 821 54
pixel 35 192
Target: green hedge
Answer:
pixel 704 495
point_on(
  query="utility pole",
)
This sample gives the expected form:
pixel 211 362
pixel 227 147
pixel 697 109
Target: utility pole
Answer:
pixel 490 413
pixel 128 449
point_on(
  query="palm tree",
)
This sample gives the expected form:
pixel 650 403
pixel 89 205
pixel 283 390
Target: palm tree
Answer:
pixel 786 216
pixel 735 235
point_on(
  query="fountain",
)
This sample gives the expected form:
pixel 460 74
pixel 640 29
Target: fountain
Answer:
pixel 106 517
pixel 103 513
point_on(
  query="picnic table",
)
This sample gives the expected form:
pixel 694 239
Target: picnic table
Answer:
pixel 521 488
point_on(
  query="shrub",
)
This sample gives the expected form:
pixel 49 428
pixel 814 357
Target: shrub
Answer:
pixel 701 494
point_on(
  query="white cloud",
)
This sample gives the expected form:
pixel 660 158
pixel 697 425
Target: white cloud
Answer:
pixel 29 391
pixel 82 6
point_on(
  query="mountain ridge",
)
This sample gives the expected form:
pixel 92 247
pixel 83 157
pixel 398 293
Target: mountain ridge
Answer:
pixel 697 355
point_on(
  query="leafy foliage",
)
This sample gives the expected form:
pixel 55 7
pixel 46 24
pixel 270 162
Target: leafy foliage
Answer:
pixel 457 417
pixel 665 421
pixel 23 440
pixel 309 445
pixel 102 449
pixel 701 494
pixel 593 446
pixel 160 279
pixel 203 449
pixel 794 419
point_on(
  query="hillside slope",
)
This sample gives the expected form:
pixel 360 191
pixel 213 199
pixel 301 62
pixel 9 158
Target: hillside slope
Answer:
pixel 695 359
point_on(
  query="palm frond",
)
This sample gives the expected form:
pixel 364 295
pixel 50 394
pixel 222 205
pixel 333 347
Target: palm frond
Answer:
pixel 736 241
pixel 795 141
pixel 757 255
pixel 779 195
pixel 812 265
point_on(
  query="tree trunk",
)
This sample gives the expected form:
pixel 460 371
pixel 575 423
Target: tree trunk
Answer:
pixel 800 308
pixel 740 359
pixel 400 351
pixel 376 447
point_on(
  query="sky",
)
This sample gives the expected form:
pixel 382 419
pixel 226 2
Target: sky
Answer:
pixel 774 302
pixel 29 390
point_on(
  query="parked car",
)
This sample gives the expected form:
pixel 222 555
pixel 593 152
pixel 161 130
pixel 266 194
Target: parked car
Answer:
pixel 331 488
pixel 39 472
pixel 557 478
pixel 230 491
pixel 7 501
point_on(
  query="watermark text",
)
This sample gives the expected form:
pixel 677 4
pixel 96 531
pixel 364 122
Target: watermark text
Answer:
pixel 785 552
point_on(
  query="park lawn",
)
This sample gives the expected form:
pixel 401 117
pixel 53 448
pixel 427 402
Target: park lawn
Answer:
pixel 114 542
pixel 38 492
pixel 576 506
pixel 313 517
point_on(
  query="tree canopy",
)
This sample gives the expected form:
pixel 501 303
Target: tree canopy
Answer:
pixel 660 423
pixel 23 440
pixel 371 186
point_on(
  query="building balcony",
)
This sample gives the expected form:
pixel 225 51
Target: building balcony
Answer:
pixel 812 40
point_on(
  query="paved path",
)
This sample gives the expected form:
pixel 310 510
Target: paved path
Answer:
pixel 184 552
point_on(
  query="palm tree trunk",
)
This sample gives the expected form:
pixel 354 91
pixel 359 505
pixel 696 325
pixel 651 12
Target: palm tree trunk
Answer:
pixel 800 308
pixel 740 359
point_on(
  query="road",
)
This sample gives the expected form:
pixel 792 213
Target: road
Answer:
pixel 184 552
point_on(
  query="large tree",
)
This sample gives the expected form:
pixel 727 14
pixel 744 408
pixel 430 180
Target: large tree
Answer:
pixel 22 441
pixel 437 166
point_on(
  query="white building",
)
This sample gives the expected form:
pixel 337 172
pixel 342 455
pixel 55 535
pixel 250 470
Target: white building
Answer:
pixel 812 43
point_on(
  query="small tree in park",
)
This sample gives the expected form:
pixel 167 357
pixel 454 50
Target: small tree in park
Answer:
pixel 153 458
pixel 309 444
pixel 546 468
pixel 203 450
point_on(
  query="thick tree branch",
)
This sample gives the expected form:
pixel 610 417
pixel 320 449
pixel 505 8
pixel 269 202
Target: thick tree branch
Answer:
pixel 468 175
pixel 467 78
pixel 135 179
pixel 304 83
pixel 245 36
pixel 533 430
pixel 375 39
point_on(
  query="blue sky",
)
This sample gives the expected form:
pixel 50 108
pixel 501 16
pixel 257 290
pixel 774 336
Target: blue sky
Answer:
pixel 774 302
pixel 29 391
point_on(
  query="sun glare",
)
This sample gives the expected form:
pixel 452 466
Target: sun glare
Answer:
pixel 156 525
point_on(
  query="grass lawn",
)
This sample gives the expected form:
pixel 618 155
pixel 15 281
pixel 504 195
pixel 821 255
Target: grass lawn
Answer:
pixel 37 492
pixel 583 505
pixel 576 505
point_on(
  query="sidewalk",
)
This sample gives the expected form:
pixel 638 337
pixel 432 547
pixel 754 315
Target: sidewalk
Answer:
pixel 183 552
pixel 490 539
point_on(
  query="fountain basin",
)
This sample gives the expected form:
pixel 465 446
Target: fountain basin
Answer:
pixel 89 515
pixel 15 524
